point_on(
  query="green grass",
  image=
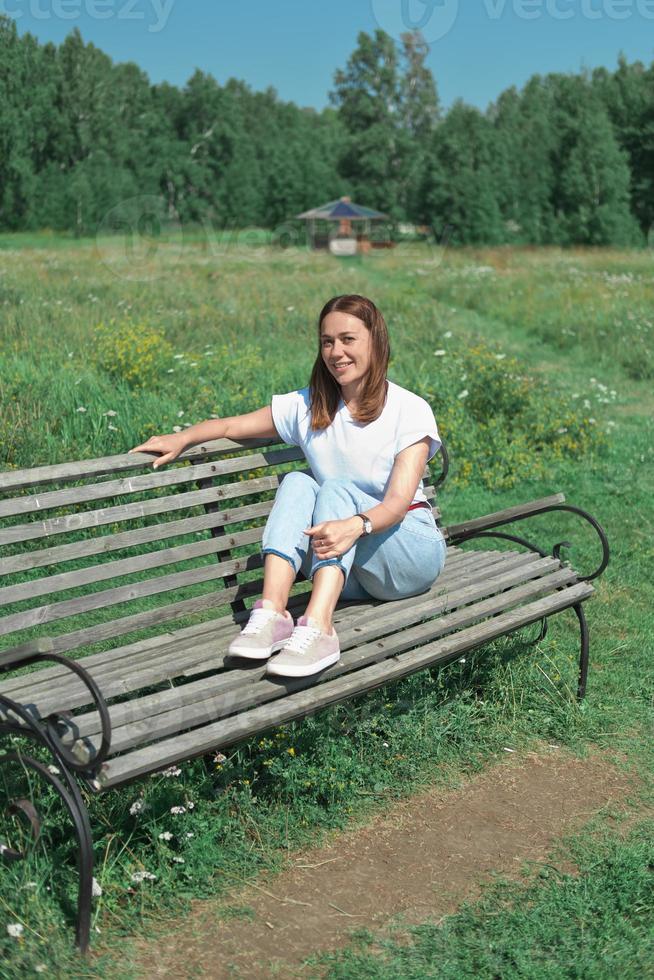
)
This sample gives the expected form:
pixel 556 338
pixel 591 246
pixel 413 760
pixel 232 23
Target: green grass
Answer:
pixel 257 306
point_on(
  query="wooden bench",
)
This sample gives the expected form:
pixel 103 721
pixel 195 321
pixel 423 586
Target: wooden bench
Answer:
pixel 120 592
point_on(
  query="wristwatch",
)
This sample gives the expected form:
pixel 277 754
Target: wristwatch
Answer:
pixel 367 523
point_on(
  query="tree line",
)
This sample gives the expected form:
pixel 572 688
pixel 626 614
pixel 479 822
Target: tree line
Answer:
pixel 568 159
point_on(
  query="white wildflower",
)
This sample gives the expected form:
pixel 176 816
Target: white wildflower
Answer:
pixel 54 770
pixel 500 357
pixel 165 835
pixel 81 409
pixel 439 353
pixel 136 807
pixel 180 415
pixel 219 757
pixel 177 428
pixel 190 834
pixel 178 809
pixel 15 930
pixel 178 860
pixel 139 876
pixel 111 414
pixel 170 371
pixel 190 805
pixel 96 890
pixel 562 430
pixel 289 309
pixel 178 357
pixel 112 428
pixel 449 332
pixel 172 771
pixel 463 394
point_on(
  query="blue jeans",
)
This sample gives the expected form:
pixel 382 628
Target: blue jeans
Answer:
pixel 404 560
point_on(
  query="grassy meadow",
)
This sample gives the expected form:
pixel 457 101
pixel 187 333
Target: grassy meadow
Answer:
pixel 539 366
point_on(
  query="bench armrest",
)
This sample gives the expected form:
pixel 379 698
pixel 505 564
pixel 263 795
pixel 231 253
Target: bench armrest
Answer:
pixel 15 655
pixel 517 513
pixel 482 527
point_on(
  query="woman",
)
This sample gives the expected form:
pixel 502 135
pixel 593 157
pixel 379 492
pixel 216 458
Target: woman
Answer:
pixel 360 526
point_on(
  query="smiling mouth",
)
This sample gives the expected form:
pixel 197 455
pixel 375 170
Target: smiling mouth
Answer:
pixel 339 367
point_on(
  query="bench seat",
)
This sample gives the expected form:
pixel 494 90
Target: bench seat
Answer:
pixel 478 596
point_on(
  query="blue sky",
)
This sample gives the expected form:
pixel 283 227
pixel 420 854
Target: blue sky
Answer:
pixel 477 47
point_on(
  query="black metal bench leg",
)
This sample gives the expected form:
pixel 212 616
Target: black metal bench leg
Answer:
pixel 69 792
pixel 583 658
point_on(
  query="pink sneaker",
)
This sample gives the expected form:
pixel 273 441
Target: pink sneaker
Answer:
pixel 307 651
pixel 265 632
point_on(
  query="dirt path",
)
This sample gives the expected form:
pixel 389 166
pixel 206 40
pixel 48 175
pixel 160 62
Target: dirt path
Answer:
pixel 417 861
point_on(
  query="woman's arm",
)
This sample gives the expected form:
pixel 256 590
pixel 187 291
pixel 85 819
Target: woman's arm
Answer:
pixel 405 476
pixel 253 425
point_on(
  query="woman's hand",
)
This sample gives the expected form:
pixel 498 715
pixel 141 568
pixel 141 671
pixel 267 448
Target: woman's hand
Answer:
pixel 331 539
pixel 170 446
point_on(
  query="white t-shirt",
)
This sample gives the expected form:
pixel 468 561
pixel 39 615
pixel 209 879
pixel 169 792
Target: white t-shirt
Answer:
pixel 350 450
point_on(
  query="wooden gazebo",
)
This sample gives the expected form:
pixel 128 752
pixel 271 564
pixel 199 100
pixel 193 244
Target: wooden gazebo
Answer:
pixel 343 212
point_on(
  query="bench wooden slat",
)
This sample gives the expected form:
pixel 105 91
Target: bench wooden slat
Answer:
pixel 78 469
pixel 152 480
pixel 127 593
pixel 156 616
pixel 34 530
pixel 159 715
pixel 53 584
pixel 504 516
pixel 298 705
pixel 138 509
pixel 106 543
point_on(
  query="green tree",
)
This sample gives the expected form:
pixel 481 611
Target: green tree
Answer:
pixel 460 186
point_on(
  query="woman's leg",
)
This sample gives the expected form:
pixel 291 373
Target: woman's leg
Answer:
pixel 284 545
pixel 403 560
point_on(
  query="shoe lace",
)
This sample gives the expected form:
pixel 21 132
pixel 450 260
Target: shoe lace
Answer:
pixel 301 637
pixel 258 619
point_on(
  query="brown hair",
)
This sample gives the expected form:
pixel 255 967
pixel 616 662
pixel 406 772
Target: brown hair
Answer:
pixel 324 389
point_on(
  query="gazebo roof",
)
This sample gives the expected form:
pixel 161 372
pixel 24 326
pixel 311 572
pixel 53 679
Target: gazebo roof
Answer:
pixel 342 208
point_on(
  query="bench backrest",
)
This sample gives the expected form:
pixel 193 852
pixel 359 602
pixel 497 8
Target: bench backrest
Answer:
pixel 96 551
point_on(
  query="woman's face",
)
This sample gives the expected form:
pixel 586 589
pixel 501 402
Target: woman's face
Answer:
pixel 345 347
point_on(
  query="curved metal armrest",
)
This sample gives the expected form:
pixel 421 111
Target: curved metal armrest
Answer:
pixel 480 527
pixel 48 729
